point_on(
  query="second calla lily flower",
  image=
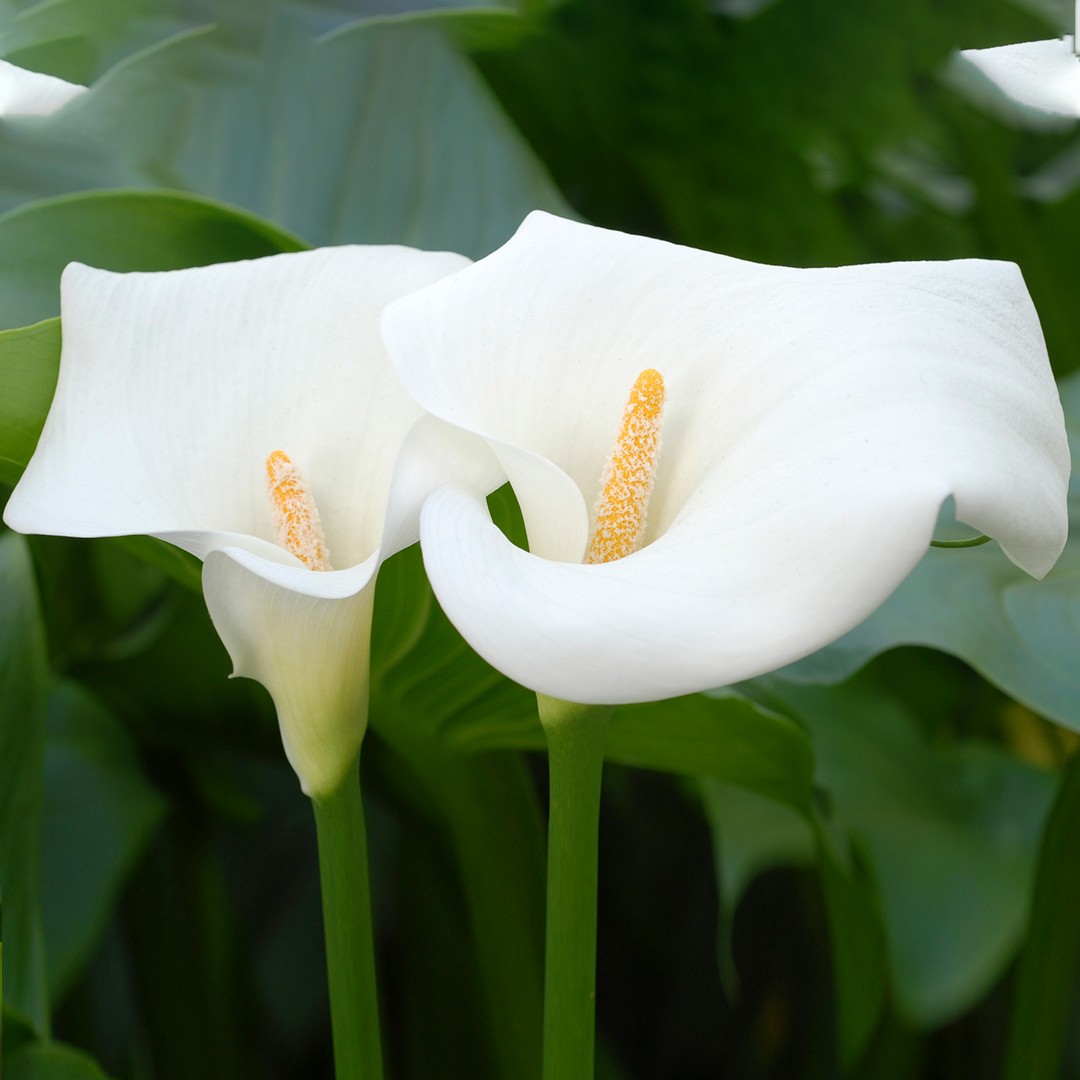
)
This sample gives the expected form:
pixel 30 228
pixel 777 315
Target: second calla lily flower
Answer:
pixel 247 413
pixel 815 421
pixel 1042 77
pixel 29 93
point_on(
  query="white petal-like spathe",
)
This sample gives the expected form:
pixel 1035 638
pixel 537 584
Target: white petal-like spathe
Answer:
pixel 1043 76
pixel 173 390
pixel 310 652
pixel 175 387
pixel 29 93
pixel 816 421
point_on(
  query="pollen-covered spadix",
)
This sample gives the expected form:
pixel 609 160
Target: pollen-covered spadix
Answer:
pixel 629 472
pixel 297 525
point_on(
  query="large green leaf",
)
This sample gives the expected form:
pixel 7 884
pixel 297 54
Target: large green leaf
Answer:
pixel 99 813
pixel 18 1032
pixel 29 363
pixel 99 33
pixel 949 836
pixel 727 738
pixel 485 802
pixel 52 1062
pixel 1046 981
pixel 750 834
pixel 1021 634
pixel 78 39
pixel 380 132
pixel 118 230
pixel 753 136
pixel 23 676
pixel 857 946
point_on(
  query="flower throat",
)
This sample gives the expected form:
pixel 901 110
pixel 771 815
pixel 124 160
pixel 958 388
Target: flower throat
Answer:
pixel 627 479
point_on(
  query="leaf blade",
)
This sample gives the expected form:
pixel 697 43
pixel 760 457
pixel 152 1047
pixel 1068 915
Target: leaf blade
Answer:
pixel 23 674
pixel 1048 963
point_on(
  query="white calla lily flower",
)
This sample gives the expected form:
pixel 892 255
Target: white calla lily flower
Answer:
pixel 180 391
pixel 29 93
pixel 815 423
pixel 1041 77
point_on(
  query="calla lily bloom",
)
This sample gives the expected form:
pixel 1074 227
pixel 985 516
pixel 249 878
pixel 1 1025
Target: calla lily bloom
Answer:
pixel 247 413
pixel 811 425
pixel 29 93
pixel 1042 76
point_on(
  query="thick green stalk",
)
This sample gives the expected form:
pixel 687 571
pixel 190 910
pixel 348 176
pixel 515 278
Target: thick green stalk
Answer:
pixel 575 738
pixel 347 924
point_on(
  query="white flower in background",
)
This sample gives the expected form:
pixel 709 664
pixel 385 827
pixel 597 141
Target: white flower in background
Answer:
pixel 28 93
pixel 1043 77
pixel 810 425
pixel 247 413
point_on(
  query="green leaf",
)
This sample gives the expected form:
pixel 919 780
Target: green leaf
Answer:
pixel 437 966
pixel 750 834
pixel 1017 632
pixel 52 1062
pixel 379 132
pixel 424 679
pixel 79 40
pixel 22 720
pixel 118 230
pixel 17 1032
pixel 948 836
pixel 753 136
pixel 143 672
pixel 727 738
pixel 1046 979
pixel 99 814
pixel 181 566
pixel 857 944
pixel 74 39
pixel 29 363
pixel 486 804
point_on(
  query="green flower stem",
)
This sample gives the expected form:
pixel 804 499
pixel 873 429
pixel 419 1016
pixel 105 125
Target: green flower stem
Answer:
pixel 575 739
pixel 350 945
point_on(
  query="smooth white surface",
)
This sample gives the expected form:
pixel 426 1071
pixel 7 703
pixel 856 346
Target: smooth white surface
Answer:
pixel 1039 75
pixel 28 93
pixel 815 422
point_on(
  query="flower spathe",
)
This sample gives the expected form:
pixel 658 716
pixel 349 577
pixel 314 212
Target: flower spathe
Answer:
pixel 29 93
pixel 815 422
pixel 1042 77
pixel 176 388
